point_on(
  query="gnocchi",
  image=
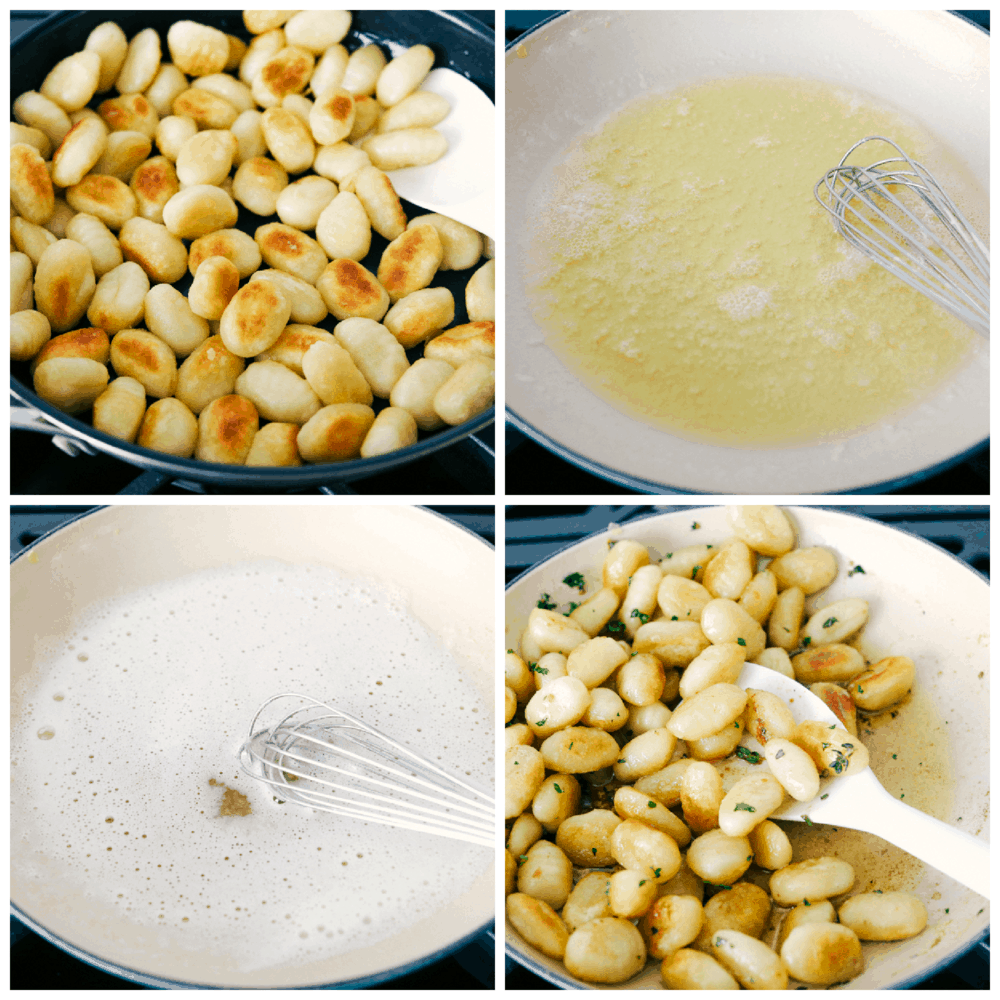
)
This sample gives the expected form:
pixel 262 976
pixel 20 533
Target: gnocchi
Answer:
pixel 683 819
pixel 297 102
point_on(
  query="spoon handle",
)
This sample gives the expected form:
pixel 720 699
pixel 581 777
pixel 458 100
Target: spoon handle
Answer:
pixel 958 854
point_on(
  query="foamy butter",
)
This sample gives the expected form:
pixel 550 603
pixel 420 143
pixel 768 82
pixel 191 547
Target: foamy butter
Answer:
pixel 144 706
pixel 684 271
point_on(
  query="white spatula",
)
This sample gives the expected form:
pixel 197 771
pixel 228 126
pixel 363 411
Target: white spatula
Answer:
pixel 460 184
pixel 860 802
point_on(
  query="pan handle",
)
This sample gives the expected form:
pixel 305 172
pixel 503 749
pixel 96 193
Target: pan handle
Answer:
pixel 24 418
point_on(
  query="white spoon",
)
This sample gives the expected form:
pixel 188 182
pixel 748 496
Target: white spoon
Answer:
pixel 859 802
pixel 460 184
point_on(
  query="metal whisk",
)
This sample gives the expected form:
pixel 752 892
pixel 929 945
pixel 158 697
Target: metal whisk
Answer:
pixel 897 213
pixel 321 757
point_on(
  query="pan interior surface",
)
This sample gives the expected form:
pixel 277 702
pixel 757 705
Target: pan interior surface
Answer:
pixel 908 62
pixel 133 696
pixel 924 604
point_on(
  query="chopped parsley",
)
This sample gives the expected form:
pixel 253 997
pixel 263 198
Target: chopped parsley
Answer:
pixel 621 760
pixel 694 572
pixel 557 788
pixel 708 546
pixel 808 820
pixel 744 807
pixel 825 795
pixel 893 756
pixel 593 850
pixel 642 882
pixel 575 580
pixel 541 722
pixel 751 756
pixel 670 555
pixel 643 618
pixel 650 805
pixel 695 525
pixel 829 622
pixel 805 902
pixel 573 605
pixel 510 650
pixel 741 641
pixel 539 670
pixel 616 626
pixel 673 618
pixel 545 602
pixel 656 872
pixel 807 640
pixel 856 569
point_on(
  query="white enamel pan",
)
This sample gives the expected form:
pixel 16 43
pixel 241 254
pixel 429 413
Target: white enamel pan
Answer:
pixel 926 604
pixel 446 575
pixel 572 72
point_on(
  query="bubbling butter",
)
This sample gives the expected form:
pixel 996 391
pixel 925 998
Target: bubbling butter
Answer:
pixel 157 690
pixel 684 271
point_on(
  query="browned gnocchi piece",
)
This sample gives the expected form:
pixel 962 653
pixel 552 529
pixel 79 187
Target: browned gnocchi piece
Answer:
pixel 393 429
pixel 119 410
pixel 154 248
pixel 31 191
pixel 333 376
pixel 64 284
pixel 335 433
pixel 208 373
pixel 254 318
pixel 213 287
pixel 144 357
pixel 70 384
pixel 275 445
pixel 350 289
pixel 226 429
pixel 420 315
pixel 463 343
pixel 154 183
pixel 233 244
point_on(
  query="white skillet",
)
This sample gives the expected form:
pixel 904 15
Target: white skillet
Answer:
pixel 447 575
pixel 924 603
pixel 859 801
pixel 573 72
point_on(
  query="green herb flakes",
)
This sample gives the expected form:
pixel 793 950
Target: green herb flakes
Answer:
pixel 545 603
pixel 744 807
pixel 575 580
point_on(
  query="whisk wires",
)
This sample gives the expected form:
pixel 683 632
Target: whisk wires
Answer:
pixel 897 213
pixel 324 758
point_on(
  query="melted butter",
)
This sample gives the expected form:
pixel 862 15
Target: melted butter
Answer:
pixel 685 272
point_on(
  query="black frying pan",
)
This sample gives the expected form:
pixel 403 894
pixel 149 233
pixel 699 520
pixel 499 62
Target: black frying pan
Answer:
pixel 460 43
